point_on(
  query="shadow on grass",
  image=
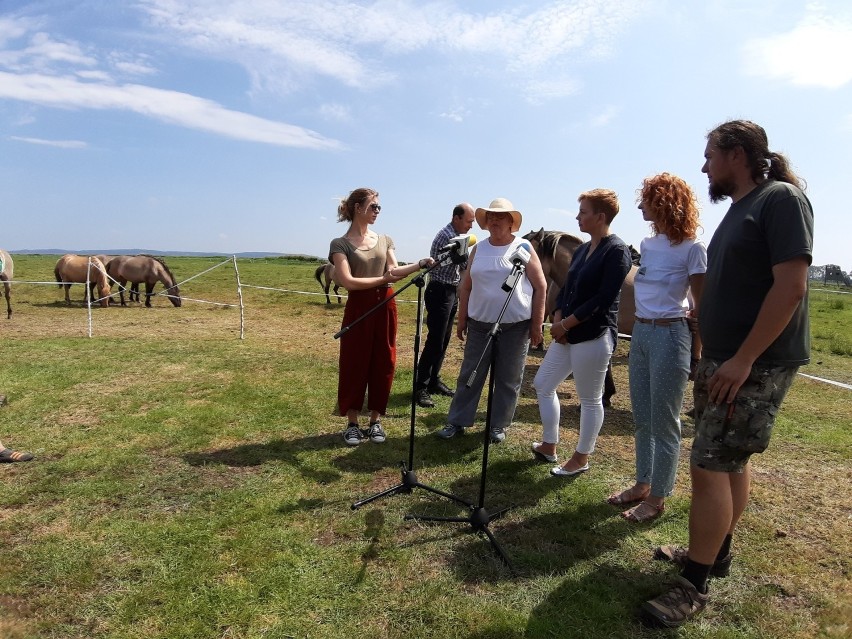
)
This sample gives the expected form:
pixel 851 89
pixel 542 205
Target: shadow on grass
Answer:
pixel 601 603
pixel 539 545
pixel 279 450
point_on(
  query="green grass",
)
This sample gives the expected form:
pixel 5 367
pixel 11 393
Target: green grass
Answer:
pixel 190 484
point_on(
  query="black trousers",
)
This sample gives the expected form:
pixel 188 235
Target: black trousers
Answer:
pixel 441 305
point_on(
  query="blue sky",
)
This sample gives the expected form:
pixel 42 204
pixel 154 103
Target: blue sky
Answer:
pixel 215 125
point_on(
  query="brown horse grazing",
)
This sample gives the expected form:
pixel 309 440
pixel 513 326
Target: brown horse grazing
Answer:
pixel 556 249
pixel 7 273
pixel 326 272
pixel 134 286
pixel 144 269
pixel 73 269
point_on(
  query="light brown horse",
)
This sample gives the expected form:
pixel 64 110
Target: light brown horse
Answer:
pixel 73 269
pixel 7 273
pixel 326 272
pixel 144 269
pixel 555 250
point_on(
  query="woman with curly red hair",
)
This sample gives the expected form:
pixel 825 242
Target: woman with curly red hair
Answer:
pixel 663 350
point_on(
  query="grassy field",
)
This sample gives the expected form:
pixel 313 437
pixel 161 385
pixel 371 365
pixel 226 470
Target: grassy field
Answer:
pixel 191 484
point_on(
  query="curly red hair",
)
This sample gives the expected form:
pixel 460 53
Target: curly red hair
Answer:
pixel 673 205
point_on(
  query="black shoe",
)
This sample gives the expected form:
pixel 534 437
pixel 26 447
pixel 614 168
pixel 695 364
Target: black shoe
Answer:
pixel 353 435
pixel 424 400
pixel 679 554
pixel 376 433
pixel 442 389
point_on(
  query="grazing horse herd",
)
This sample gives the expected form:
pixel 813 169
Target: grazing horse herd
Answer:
pixel 99 271
pixel 554 248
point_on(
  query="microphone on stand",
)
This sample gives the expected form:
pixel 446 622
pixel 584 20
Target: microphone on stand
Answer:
pixel 457 249
pixel 520 258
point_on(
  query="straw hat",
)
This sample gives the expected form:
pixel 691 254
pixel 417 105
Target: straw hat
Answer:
pixel 500 205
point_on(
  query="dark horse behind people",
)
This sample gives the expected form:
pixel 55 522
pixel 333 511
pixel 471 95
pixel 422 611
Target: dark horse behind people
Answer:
pixel 555 250
pixel 144 269
pixel 7 274
pixel 78 269
pixel 326 272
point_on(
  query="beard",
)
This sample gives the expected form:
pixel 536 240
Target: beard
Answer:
pixel 719 190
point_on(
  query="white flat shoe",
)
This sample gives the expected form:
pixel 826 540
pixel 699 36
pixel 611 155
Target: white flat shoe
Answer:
pixel 558 471
pixel 550 459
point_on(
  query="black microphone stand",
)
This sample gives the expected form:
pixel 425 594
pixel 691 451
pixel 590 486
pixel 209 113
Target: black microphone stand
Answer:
pixel 409 477
pixel 480 517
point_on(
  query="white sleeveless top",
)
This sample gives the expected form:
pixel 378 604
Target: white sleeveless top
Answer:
pixel 490 268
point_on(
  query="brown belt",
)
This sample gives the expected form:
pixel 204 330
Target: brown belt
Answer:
pixel 661 322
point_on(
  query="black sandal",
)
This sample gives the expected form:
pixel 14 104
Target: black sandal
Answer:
pixel 9 456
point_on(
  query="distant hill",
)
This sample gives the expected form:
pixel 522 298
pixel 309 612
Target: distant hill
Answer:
pixel 137 251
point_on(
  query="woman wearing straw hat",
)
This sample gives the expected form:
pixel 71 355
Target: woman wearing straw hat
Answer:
pixel 584 331
pixel 365 265
pixel 481 298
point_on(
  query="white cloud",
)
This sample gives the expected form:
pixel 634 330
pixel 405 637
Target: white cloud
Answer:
pixel 62 144
pixel 284 44
pixel 456 114
pixel 817 52
pixel 167 106
pixel 336 112
pixel 605 117
pixel 538 91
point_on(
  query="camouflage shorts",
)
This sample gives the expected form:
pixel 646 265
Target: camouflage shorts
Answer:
pixel 726 435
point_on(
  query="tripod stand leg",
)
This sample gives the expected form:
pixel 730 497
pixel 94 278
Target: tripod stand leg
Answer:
pixel 408 483
pixel 497 548
pixel 478 521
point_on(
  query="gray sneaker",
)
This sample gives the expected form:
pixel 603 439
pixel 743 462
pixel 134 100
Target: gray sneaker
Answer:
pixel 353 435
pixel 376 433
pixel 497 435
pixel 449 431
pixel 675 607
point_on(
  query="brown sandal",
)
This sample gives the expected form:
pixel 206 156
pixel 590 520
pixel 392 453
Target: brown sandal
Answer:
pixel 627 496
pixel 643 512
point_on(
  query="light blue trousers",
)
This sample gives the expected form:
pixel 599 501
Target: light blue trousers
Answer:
pixel 513 342
pixel 659 370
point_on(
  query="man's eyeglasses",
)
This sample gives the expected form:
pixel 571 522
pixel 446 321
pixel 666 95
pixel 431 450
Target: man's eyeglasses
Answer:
pixel 376 207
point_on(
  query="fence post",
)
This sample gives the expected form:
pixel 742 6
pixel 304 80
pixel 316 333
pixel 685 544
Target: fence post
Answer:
pixel 87 294
pixel 240 295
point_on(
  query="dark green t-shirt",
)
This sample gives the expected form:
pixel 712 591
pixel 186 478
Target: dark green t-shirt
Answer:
pixel 772 224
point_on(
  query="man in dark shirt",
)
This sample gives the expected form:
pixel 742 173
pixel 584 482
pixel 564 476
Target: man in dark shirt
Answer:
pixel 441 305
pixel 754 329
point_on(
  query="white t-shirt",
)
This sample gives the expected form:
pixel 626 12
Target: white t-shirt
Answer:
pixel 662 280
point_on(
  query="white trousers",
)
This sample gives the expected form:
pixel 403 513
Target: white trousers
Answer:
pixel 588 361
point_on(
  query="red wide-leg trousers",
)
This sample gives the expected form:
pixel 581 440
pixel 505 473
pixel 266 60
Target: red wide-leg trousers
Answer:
pixel 367 352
